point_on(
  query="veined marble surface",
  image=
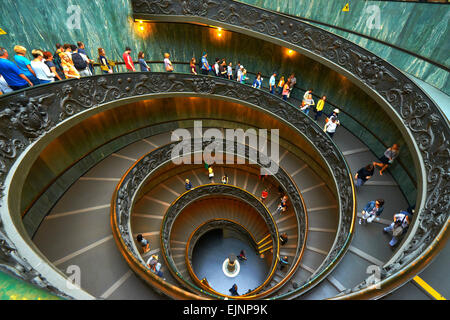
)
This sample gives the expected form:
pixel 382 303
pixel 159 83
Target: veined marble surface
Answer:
pixel 108 24
pixel 418 27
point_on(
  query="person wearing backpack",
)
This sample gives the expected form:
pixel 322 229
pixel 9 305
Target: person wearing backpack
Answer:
pixel 398 227
pixel 57 61
pixel 81 63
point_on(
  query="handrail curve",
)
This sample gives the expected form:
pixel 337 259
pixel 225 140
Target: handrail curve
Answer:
pixel 419 119
pixel 30 117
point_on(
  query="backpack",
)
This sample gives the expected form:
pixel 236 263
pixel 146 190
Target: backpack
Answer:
pixel 57 61
pixel 79 62
pixel 398 227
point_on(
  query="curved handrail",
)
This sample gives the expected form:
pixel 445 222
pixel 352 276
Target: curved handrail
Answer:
pixel 189 249
pixel 418 118
pixel 69 101
pixel 208 190
pixel 300 246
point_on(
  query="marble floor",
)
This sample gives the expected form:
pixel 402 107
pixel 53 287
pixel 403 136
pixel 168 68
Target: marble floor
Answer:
pixel 213 249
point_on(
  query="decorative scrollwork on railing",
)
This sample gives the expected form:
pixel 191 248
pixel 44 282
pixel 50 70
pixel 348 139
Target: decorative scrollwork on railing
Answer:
pixel 429 128
pixel 216 190
pixel 136 177
pixel 36 113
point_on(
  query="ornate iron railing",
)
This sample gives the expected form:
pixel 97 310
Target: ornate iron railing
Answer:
pixel 218 224
pixel 29 118
pixel 420 120
pixel 136 177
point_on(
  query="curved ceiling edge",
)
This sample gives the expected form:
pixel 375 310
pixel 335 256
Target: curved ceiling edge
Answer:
pixel 69 102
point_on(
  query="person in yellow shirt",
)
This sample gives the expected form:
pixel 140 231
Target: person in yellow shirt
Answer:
pixel 211 174
pixel 319 108
pixel 280 85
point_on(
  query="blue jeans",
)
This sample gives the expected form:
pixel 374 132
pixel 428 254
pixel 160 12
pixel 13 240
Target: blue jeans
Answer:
pixel 360 182
pixel 285 97
pixel 272 91
pixel 306 111
pixel 318 114
pixel 15 88
pixel 280 90
pixel 394 240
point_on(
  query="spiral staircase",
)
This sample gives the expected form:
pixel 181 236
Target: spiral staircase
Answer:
pixel 123 184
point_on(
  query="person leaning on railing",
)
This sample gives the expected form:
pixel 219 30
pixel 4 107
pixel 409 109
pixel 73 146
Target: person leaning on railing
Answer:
pixel 193 67
pixel 24 64
pixel 167 63
pixel 104 63
pixel 13 76
pixel 51 64
pixel 69 69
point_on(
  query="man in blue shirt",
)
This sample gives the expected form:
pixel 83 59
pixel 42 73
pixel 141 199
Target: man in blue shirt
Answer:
pixel 205 64
pixel 11 73
pixel 272 83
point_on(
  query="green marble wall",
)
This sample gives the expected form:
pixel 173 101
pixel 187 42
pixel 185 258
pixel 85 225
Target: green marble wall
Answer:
pixel 108 24
pixel 14 289
pixel 418 27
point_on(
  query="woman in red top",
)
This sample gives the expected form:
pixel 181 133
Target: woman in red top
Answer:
pixel 264 195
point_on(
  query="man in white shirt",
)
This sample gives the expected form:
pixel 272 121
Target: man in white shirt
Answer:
pixel 330 127
pixel 401 222
pixel 272 82
pixel 307 93
pixel 216 67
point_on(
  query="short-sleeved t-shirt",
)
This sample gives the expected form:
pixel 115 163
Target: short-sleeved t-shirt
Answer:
pixel 4 85
pixel 22 63
pixel 363 173
pixel 10 73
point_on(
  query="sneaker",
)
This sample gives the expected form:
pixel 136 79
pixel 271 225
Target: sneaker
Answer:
pixel 360 221
pixel 378 219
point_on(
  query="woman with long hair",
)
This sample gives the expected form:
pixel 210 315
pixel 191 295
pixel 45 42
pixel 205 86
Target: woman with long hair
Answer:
pixel 144 66
pixel 193 67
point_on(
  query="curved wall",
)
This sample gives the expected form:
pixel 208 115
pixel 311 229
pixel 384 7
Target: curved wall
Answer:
pixel 185 41
pixel 79 141
pixel 421 28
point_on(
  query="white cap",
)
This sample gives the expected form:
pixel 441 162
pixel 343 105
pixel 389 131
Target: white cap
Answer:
pixel 336 110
